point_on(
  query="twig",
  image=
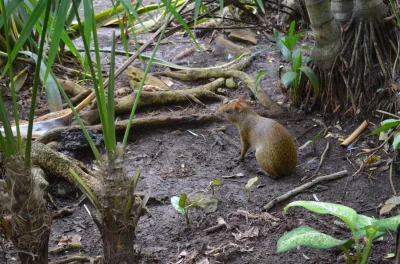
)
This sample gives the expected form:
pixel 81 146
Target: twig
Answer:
pixel 303 187
pixel 391 178
pixel 320 163
pixel 76 258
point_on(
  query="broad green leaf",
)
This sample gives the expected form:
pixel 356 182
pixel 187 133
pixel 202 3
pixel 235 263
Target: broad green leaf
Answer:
pixel 251 183
pixel 182 200
pixel 386 124
pixel 216 182
pixel 307 237
pixel 52 94
pixel 287 54
pixel 390 223
pixel 304 47
pixel 396 141
pixel 175 204
pixel 207 202
pixel 288 78
pixel 312 77
pixel 347 214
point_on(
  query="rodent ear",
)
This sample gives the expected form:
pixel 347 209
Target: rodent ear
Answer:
pixel 238 107
pixel 242 100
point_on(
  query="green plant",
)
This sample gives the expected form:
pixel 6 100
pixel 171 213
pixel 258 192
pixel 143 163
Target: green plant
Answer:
pixel 293 73
pixel 358 224
pixel 179 203
pixel 287 43
pixel 388 126
pixel 313 141
pixel 250 184
pixel 212 184
pixel 29 235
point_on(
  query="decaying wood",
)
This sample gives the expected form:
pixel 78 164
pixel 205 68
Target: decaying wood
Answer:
pixel 57 164
pixel 125 104
pixel 137 124
pixel 303 187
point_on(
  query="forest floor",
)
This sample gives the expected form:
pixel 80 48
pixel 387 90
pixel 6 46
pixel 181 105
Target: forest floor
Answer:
pixel 173 160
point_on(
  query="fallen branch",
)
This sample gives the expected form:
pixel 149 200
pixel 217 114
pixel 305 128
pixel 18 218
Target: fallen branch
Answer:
pixel 77 259
pixel 125 104
pixel 303 187
pixel 137 124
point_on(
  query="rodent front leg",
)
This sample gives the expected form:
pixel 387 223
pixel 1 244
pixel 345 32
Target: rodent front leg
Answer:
pixel 245 148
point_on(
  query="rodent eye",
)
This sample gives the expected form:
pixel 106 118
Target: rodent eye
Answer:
pixel 227 111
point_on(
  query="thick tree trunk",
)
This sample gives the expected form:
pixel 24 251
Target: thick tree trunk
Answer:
pixel 29 224
pixel 342 10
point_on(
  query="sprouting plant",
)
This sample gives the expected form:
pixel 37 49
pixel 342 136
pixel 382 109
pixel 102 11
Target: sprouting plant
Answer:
pixel 250 184
pixel 312 141
pixel 179 203
pixel 212 184
pixel 359 225
pixel 293 73
pixel 387 126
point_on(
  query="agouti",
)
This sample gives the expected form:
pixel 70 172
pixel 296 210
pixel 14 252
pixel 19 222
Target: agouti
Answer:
pixel 276 151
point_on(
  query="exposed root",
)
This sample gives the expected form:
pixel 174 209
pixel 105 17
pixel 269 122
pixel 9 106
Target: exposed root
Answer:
pixel 366 62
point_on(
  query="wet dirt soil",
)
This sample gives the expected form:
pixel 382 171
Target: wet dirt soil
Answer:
pixel 187 158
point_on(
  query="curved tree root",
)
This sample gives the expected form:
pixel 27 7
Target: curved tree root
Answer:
pixel 196 74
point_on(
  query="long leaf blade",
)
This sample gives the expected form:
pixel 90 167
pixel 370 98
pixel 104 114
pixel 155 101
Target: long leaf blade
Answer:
pixel 307 237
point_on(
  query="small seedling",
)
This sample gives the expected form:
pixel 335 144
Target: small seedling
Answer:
pixel 216 182
pixel 313 141
pixel 179 203
pixel 359 225
pixel 249 186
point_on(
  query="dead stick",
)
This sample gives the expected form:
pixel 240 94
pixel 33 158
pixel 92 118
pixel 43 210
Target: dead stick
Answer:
pixel 303 187
pixel 355 134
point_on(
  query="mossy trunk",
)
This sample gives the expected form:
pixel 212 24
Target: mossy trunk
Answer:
pixel 28 224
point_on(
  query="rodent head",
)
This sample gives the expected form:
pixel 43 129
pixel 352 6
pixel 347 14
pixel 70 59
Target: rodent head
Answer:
pixel 234 111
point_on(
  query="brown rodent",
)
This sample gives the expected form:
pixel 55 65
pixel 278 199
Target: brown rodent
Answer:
pixel 276 152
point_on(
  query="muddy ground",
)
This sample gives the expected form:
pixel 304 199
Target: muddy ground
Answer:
pixel 173 160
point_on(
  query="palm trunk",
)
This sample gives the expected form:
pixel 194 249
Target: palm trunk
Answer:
pixel 120 212
pixel 327 33
pixel 29 224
